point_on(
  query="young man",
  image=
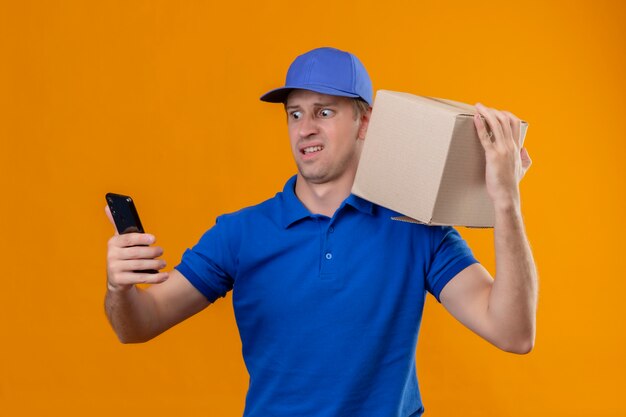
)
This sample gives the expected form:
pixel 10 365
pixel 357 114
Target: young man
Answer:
pixel 327 302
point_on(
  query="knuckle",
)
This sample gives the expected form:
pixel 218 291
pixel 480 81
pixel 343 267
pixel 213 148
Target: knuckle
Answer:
pixel 119 279
pixel 488 116
pixel 113 241
pixel 500 116
pixel 114 271
pixel 113 276
pixel 112 255
pixel 511 116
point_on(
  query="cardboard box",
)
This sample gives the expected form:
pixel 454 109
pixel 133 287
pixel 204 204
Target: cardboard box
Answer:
pixel 422 158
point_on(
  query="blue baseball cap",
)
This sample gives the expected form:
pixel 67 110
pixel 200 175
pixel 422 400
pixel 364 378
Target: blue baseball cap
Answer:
pixel 327 71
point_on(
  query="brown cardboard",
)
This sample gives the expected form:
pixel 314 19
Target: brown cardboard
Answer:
pixel 422 158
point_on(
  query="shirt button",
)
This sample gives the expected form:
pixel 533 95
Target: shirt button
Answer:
pixel 329 256
pixel 331 229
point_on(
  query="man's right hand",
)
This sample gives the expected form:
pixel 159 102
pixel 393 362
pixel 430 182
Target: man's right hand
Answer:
pixel 131 252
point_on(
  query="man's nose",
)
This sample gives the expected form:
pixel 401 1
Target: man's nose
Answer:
pixel 308 127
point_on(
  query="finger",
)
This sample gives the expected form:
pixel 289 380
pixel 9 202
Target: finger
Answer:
pixel 516 127
pixel 503 119
pixel 133 265
pixel 492 122
pixel 481 130
pixel 139 252
pixel 117 267
pixel 131 239
pixel 130 278
pixel 107 211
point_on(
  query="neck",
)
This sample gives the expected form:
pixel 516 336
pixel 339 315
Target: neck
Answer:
pixel 323 198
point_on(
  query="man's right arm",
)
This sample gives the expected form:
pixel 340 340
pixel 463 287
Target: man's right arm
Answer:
pixel 136 314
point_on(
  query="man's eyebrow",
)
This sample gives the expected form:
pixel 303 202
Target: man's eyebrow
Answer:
pixel 318 104
pixel 326 104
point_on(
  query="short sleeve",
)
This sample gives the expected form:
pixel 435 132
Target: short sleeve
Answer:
pixel 450 254
pixel 209 266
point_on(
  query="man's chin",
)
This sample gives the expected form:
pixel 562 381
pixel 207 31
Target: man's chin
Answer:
pixel 315 177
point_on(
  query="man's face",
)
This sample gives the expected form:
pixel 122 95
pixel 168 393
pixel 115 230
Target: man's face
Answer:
pixel 326 135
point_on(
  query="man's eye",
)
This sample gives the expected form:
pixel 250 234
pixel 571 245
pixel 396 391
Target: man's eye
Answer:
pixel 326 113
pixel 296 115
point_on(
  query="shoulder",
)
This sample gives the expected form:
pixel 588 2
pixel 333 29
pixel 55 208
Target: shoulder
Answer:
pixel 265 209
pixel 231 230
pixel 248 222
pixel 271 212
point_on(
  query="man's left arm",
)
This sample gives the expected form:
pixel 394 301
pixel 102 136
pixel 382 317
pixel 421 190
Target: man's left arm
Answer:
pixel 502 311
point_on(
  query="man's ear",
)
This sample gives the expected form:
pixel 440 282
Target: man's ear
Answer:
pixel 365 121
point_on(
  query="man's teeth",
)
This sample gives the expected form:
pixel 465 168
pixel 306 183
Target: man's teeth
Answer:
pixel 312 149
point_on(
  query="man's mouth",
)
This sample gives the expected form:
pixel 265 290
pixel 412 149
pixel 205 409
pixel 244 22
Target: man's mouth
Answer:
pixel 311 149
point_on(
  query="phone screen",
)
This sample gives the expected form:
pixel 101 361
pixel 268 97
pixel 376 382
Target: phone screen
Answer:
pixel 124 213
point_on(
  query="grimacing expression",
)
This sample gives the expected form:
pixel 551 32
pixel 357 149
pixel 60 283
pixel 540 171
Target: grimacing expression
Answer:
pixel 326 135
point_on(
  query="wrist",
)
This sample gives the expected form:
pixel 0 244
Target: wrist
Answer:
pixel 511 206
pixel 508 212
pixel 507 202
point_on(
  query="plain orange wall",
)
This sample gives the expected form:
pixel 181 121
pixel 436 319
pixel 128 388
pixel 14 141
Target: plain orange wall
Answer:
pixel 160 100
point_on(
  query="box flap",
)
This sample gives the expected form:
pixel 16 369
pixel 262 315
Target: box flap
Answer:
pixel 468 109
pixel 458 107
pixel 431 102
pixel 463 198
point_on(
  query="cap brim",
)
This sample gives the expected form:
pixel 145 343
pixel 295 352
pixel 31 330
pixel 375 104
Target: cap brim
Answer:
pixel 279 95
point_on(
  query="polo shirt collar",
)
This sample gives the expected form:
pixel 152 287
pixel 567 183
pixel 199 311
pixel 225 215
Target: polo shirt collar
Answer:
pixel 293 210
pixel 360 204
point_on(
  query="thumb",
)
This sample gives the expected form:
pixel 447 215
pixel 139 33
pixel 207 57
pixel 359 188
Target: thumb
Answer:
pixel 526 161
pixel 107 211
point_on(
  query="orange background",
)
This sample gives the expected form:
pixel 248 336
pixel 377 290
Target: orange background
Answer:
pixel 160 100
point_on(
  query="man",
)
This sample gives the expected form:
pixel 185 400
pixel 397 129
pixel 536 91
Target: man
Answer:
pixel 328 291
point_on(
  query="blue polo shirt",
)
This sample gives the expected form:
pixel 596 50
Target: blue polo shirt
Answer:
pixel 328 309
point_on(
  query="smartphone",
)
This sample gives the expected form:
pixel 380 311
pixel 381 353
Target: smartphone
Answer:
pixel 126 217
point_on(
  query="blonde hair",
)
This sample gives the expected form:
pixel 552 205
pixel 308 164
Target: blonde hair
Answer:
pixel 360 107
